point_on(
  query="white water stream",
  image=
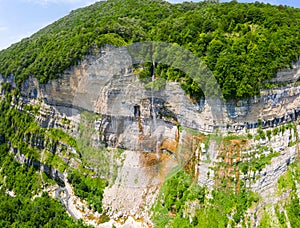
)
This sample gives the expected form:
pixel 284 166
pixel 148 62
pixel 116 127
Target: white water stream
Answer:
pixel 153 109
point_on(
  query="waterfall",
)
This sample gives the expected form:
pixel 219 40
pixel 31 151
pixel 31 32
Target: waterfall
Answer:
pixel 152 99
pixel 153 109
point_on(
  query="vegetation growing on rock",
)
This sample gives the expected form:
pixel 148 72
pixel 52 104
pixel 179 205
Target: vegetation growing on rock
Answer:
pixel 19 208
pixel 243 44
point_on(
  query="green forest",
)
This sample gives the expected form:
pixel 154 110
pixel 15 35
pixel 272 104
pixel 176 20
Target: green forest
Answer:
pixel 23 210
pixel 179 192
pixel 242 44
pixel 183 203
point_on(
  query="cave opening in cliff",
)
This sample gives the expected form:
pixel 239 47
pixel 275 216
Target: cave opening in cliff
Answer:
pixel 137 112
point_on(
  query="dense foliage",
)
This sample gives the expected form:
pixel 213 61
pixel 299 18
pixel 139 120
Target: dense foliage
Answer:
pixel 21 210
pixel 88 188
pixel 16 127
pixel 243 44
pixel 175 192
pixel 41 212
pixel 22 180
pixel 181 200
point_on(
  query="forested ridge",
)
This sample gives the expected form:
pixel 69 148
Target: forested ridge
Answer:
pixel 243 44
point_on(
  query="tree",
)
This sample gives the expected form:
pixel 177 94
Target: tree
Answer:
pixel 212 1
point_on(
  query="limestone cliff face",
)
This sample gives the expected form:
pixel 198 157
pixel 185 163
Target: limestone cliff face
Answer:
pixel 136 118
pixel 140 119
pixel 49 170
pixel 273 107
pixel 106 84
pixel 133 116
pixel 282 144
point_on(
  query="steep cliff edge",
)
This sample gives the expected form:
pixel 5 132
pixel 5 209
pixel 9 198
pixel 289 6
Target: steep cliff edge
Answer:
pixel 124 131
pixel 255 146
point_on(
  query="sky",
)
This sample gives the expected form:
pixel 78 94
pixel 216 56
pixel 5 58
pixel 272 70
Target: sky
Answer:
pixel 22 18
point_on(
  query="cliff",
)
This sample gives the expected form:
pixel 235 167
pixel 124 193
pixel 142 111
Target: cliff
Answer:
pixel 124 126
pixel 168 126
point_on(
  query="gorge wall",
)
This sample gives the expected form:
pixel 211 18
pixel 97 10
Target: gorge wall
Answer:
pixel 136 118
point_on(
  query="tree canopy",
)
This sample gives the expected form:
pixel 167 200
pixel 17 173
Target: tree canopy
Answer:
pixel 243 44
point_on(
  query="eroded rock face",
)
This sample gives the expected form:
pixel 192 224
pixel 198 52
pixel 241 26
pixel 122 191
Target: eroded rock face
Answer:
pixel 133 117
pixel 142 120
pixel 273 107
pixel 279 164
pixel 10 79
pixel 52 172
pixel 1 81
pixel 106 84
pixel 137 185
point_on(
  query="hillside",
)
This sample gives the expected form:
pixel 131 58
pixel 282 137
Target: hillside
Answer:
pixel 243 44
pixel 91 137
